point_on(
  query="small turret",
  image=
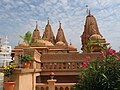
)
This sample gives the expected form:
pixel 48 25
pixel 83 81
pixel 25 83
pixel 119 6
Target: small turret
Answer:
pixel 48 33
pixel 60 35
pixel 36 34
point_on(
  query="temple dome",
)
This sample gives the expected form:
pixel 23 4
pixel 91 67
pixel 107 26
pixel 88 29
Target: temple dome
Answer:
pixel 40 42
pixel 71 46
pixel 23 44
pixel 44 43
pixel 95 37
pixel 60 43
pixel 48 44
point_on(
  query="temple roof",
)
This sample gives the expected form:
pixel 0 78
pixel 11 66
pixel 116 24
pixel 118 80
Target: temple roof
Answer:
pixel 60 35
pixel 91 24
pixel 36 34
pixel 48 33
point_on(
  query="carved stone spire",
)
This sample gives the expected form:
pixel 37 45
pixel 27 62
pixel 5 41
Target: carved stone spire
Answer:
pixel 48 33
pixel 60 35
pixel 90 28
pixel 36 34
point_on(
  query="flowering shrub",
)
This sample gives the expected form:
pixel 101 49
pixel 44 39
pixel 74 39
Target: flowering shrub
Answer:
pixel 8 71
pixel 102 73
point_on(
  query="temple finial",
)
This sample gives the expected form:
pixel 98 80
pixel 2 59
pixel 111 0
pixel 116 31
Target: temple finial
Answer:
pixel 48 21
pixel 60 24
pixel 89 13
pixel 70 42
pixel 36 25
pixel 6 40
pixel 87 10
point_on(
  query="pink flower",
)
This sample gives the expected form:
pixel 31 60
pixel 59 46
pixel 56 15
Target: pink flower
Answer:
pixel 85 64
pixel 101 57
pixel 119 59
pixel 88 57
pixel 82 78
pixel 110 52
pixel 101 53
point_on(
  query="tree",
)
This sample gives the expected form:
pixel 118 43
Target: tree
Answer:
pixel 27 38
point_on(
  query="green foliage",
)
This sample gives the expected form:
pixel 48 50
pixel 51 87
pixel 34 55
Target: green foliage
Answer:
pixel 27 38
pixel 90 45
pixel 88 48
pixel 25 58
pixel 102 73
pixel 8 70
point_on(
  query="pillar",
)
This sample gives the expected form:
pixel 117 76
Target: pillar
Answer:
pixel 51 84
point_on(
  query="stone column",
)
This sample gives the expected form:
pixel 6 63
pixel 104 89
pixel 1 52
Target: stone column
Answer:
pixel 51 84
pixel 34 80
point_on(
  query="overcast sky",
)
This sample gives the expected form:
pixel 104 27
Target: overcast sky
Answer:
pixel 19 16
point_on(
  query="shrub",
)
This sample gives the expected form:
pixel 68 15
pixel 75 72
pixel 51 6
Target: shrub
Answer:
pixel 102 73
pixel 8 71
pixel 25 58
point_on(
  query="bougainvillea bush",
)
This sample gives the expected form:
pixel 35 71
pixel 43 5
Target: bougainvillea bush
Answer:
pixel 102 73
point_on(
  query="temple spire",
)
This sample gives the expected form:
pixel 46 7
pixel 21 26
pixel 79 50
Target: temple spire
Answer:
pixel 48 33
pixel 60 35
pixel 87 10
pixel 36 34
pixel 91 32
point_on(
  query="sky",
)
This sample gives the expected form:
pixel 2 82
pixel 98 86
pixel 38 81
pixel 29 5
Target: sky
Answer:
pixel 20 16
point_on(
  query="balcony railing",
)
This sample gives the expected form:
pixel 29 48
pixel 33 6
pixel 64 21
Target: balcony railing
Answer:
pixel 46 66
pixel 58 86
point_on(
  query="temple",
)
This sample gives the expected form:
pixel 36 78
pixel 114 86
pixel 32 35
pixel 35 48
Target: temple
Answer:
pixel 56 55
pixel 91 37
pixel 5 53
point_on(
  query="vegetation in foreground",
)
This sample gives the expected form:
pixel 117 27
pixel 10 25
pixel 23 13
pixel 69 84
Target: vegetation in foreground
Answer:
pixel 102 73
